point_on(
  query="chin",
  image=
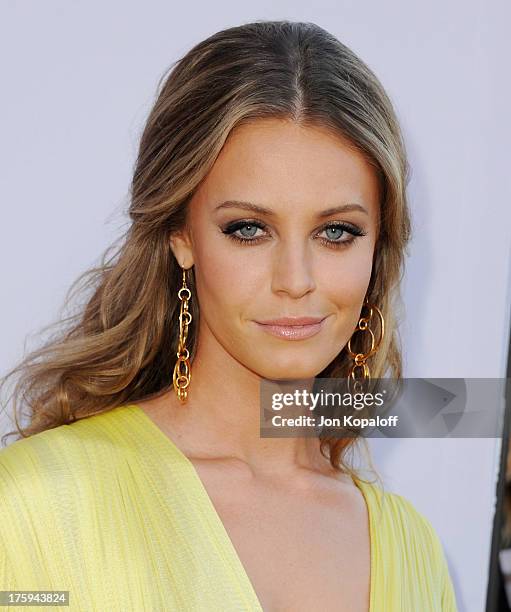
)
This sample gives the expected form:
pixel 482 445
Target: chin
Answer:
pixel 289 372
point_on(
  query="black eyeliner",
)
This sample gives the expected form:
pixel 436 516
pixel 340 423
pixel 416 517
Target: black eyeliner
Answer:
pixel 234 226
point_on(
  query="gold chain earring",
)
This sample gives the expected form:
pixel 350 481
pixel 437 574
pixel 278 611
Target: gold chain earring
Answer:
pixel 360 359
pixel 182 370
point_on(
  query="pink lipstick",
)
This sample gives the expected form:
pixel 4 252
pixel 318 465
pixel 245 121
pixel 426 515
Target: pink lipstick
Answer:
pixel 292 328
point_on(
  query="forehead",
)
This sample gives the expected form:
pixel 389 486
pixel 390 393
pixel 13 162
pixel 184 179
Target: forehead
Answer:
pixel 281 164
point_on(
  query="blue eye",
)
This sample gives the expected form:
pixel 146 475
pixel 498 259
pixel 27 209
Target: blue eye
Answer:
pixel 246 229
pixel 335 230
pixel 250 228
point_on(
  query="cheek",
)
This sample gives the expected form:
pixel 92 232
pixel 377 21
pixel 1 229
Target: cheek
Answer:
pixel 345 279
pixel 225 283
pixel 343 283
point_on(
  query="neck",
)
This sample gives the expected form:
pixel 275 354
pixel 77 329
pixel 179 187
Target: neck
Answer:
pixel 221 417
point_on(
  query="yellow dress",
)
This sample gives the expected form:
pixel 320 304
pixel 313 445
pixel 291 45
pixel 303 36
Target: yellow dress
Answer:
pixel 109 509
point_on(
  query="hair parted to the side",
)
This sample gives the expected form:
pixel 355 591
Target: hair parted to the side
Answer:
pixel 121 346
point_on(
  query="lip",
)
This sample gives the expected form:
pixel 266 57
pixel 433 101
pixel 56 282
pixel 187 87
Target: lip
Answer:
pixel 288 321
pixel 293 328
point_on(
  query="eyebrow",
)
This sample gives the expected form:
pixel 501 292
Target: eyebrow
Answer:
pixel 270 213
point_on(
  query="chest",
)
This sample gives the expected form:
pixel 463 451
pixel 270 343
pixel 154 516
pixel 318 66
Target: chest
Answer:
pixel 302 550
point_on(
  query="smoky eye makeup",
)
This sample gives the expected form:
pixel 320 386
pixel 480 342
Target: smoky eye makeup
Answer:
pixel 249 232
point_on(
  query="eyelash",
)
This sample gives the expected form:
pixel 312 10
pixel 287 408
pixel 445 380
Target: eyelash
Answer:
pixel 335 244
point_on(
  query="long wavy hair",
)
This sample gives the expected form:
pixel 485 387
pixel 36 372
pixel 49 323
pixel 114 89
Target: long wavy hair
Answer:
pixel 120 346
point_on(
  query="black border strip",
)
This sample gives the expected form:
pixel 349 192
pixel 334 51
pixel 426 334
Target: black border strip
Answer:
pixel 495 585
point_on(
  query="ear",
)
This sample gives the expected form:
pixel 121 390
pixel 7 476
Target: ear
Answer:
pixel 181 245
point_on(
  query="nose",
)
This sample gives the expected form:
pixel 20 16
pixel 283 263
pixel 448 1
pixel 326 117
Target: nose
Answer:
pixel 293 269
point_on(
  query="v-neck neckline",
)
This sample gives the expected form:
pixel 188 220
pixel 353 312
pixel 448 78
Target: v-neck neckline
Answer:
pixel 167 444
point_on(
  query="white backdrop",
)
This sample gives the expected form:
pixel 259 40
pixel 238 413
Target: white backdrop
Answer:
pixel 77 82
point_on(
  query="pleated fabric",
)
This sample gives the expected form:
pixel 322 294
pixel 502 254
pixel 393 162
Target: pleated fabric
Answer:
pixel 109 509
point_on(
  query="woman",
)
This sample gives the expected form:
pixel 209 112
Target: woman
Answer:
pixel 268 212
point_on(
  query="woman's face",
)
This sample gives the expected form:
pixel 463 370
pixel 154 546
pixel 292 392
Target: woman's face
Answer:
pixel 292 256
